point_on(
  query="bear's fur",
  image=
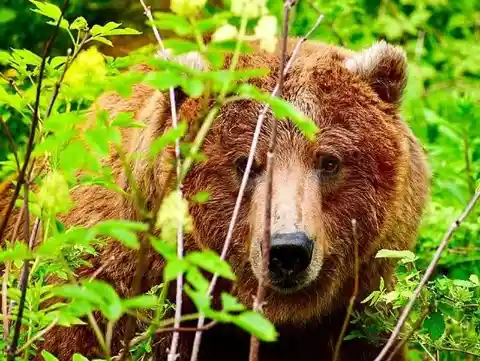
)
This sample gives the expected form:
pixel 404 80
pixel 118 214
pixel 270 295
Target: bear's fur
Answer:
pixel 354 98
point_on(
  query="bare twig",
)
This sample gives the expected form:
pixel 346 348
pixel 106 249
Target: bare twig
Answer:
pixel 140 269
pixel 68 62
pixel 263 279
pixel 468 168
pixel 6 323
pixel 11 141
pixel 37 336
pixel 135 341
pixel 35 119
pixel 451 349
pixel 12 349
pixel 14 85
pixel 336 353
pixel 415 327
pixel 243 185
pixel 403 317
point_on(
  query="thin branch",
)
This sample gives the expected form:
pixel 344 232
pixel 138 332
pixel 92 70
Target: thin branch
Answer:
pixel 6 323
pixel 12 349
pixel 12 142
pixel 403 317
pixel 336 353
pixel 415 327
pixel 135 341
pixel 14 85
pixel 68 62
pixel 243 185
pixel 141 267
pixel 263 279
pixel 35 119
pixel 450 349
pixel 37 336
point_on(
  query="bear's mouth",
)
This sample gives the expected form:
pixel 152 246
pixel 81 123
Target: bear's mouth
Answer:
pixel 288 285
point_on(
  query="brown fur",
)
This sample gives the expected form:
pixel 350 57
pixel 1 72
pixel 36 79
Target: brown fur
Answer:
pixel 383 184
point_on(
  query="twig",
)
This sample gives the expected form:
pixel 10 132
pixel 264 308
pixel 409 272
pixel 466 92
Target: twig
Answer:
pixel 403 317
pixel 468 168
pixel 243 185
pixel 35 119
pixel 15 87
pixel 101 268
pixel 38 336
pixel 12 349
pixel 140 269
pixel 135 341
pixel 11 141
pixel 450 349
pixel 263 279
pixel 415 327
pixel 6 323
pixel 69 61
pixel 336 354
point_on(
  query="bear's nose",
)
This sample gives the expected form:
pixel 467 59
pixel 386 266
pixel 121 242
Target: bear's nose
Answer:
pixel 290 254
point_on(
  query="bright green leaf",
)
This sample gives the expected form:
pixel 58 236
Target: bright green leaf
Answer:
pixel 257 325
pixel 435 325
pixel 211 262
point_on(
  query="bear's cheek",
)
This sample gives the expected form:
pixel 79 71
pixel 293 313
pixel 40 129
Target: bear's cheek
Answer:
pixel 211 219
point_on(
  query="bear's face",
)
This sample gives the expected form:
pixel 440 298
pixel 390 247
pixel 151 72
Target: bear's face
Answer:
pixel 327 194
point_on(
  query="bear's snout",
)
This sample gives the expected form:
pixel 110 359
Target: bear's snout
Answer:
pixel 290 256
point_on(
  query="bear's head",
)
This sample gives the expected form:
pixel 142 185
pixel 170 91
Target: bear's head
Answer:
pixel 346 186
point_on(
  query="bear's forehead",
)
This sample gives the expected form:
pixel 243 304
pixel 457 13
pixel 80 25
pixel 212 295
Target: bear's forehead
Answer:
pixel 322 89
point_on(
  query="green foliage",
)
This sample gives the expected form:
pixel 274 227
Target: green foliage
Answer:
pixel 440 104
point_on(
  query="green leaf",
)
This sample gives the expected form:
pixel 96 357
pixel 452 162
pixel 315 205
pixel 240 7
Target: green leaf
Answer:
pixel 167 138
pixel 50 11
pixel 111 305
pixel 211 262
pixel 79 23
pixel 103 40
pixel 405 256
pixel 435 325
pixel 163 80
pixel 19 252
pixel 193 87
pixel 282 109
pixel 122 230
pixel 47 356
pixel 173 22
pixel 200 299
pixel 165 249
pixel 174 268
pixel 201 197
pixel 142 301
pixel 196 279
pixel 77 292
pixel 125 120
pixel 257 325
pixel 79 357
pixel 230 303
pixel 7 15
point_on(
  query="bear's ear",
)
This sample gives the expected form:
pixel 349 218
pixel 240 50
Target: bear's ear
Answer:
pixel 192 60
pixel 384 67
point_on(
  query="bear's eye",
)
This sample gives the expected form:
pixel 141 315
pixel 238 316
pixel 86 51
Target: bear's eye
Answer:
pixel 241 166
pixel 328 164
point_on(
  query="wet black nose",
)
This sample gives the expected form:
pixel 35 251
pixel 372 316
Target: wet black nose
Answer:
pixel 290 254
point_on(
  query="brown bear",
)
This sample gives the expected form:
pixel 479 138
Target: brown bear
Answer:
pixel 365 164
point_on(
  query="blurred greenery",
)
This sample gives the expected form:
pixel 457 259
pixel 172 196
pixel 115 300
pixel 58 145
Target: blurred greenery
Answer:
pixel 442 40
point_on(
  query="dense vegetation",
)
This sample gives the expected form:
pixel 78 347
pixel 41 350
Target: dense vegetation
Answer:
pixel 442 39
